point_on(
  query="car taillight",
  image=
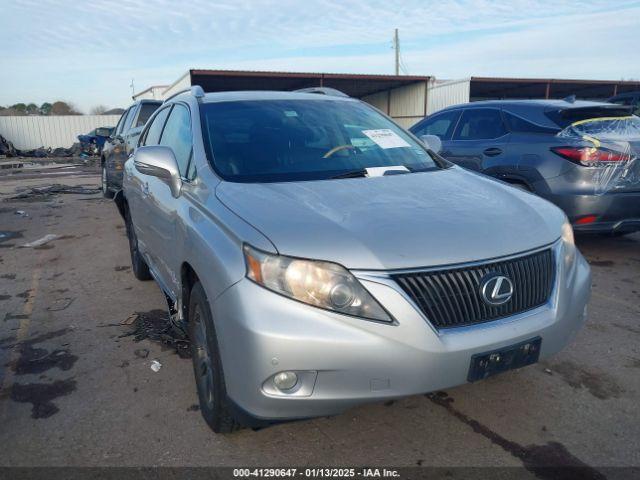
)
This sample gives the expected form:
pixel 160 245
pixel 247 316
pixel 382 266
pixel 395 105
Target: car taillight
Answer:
pixel 589 156
pixel 587 219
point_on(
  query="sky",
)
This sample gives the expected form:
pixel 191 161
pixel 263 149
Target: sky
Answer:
pixel 87 53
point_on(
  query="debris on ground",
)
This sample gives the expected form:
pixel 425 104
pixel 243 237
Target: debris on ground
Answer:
pixel 156 366
pixel 22 213
pixel 41 241
pixel 55 189
pixel 6 148
pixel 548 371
pixel 156 326
pixel 9 235
pixel 141 353
pixel 60 304
pixel 130 319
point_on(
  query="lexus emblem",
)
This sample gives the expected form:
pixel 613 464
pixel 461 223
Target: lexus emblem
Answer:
pixel 496 289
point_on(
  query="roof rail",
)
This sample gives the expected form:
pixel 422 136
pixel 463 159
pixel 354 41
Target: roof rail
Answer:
pixel 195 90
pixel 323 91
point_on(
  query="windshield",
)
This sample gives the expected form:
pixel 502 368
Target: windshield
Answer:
pixel 289 140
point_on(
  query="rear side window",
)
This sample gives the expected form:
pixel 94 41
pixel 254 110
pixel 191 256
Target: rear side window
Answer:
pixel 121 123
pixel 565 117
pixel 441 125
pixel 146 110
pixel 152 136
pixel 177 135
pixel 520 125
pixel 126 125
pixel 480 124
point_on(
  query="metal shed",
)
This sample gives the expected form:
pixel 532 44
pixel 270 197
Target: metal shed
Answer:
pixel 496 88
pixel 403 97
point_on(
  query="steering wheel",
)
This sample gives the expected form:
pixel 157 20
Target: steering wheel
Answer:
pixel 346 146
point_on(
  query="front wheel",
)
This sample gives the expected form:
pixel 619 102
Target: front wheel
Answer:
pixel 207 365
pixel 106 193
pixel 139 266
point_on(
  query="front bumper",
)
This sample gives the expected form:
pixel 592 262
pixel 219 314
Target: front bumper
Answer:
pixel 345 361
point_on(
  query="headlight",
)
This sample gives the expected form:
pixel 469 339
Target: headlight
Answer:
pixel 321 284
pixel 569 246
pixel 567 233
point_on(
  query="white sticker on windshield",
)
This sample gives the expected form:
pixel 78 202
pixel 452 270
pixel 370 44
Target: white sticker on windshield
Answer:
pixel 386 138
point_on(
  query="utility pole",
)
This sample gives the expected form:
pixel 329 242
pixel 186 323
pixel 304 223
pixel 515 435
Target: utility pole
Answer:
pixel 396 47
pixel 132 89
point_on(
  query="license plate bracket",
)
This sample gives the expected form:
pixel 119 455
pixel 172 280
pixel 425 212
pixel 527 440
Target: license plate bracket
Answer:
pixel 487 364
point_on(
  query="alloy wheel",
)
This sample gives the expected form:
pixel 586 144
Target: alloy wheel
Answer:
pixel 202 359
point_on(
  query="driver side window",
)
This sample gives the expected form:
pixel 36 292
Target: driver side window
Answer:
pixel 441 125
pixel 177 135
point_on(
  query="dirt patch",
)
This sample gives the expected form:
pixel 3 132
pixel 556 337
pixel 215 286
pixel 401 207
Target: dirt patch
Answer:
pixel 38 360
pixel 599 384
pixel 156 326
pixel 41 396
pixel 549 462
pixel 4 297
pixel 8 276
pixel 35 360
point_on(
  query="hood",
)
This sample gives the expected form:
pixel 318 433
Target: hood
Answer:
pixel 399 221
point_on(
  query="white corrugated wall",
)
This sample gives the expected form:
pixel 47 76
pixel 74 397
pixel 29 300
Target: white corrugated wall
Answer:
pixel 404 104
pixel 35 131
pixel 445 94
pixel 182 83
pixel 407 105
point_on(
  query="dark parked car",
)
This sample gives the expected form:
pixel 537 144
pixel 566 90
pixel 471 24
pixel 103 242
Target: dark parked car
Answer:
pixel 122 142
pixel 94 140
pixel 631 99
pixel 580 155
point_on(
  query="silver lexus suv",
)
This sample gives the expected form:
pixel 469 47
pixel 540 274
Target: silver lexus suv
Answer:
pixel 320 257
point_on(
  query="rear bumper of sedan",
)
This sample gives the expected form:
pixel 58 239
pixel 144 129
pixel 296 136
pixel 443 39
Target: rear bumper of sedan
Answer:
pixel 343 361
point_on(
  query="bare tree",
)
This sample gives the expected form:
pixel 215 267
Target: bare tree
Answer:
pixel 98 110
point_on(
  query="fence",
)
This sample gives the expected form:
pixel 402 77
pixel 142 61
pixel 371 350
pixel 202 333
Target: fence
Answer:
pixel 34 131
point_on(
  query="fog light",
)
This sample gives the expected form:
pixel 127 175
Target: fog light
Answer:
pixel 285 380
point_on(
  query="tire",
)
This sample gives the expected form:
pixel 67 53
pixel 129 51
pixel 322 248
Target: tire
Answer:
pixel 139 266
pixel 207 365
pixel 106 193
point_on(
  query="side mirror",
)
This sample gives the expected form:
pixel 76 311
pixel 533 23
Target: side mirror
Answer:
pixel 432 142
pixel 159 161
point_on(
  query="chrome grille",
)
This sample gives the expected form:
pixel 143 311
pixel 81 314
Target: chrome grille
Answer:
pixel 452 297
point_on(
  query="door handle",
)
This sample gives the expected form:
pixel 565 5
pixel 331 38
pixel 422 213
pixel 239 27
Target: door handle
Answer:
pixel 492 151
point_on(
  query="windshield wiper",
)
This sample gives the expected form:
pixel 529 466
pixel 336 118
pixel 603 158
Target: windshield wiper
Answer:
pixel 352 174
pixel 363 173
